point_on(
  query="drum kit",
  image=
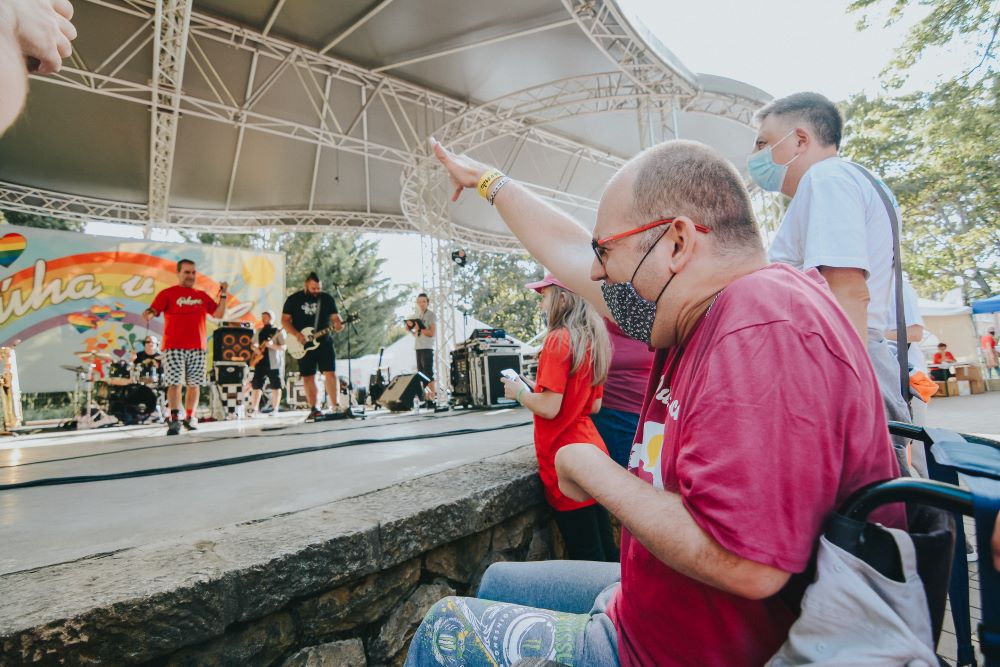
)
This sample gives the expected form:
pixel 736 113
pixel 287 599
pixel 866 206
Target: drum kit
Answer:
pixel 131 393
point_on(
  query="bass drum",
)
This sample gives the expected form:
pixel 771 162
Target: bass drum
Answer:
pixel 134 404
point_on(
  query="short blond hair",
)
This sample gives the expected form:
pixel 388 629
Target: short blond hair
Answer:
pixel 691 179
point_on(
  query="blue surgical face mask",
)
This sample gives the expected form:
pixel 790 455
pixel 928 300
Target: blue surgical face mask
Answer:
pixel 764 171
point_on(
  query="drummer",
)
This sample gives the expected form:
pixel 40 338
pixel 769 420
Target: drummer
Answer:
pixel 149 356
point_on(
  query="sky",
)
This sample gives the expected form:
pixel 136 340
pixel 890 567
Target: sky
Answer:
pixel 779 46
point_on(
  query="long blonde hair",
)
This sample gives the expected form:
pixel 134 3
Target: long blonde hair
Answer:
pixel 587 332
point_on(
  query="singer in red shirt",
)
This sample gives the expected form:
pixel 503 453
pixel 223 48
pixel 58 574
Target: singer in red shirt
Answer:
pixel 184 310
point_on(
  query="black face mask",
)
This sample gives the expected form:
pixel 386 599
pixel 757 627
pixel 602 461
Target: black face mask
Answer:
pixel 630 311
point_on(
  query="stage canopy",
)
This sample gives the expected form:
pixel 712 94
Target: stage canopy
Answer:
pixel 236 115
pixel 990 305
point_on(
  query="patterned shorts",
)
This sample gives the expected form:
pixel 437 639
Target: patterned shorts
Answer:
pixel 184 367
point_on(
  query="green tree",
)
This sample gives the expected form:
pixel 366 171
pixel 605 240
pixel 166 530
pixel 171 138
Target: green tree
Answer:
pixel 40 221
pixel 937 152
pixel 491 289
pixel 340 259
pixel 948 20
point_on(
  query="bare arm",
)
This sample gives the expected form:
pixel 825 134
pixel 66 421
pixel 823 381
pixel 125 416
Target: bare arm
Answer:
pixel 286 324
pixel 337 322
pixel 429 331
pixel 596 407
pixel 660 522
pixel 553 238
pixel 851 292
pixel 914 333
pixel 545 404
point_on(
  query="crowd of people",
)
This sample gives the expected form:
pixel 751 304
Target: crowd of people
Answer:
pixel 727 484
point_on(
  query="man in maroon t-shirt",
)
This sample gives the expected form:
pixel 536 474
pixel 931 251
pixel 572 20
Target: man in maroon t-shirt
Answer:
pixel 184 310
pixel 730 479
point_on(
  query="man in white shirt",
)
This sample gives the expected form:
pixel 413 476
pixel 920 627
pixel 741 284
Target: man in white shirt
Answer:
pixel 836 221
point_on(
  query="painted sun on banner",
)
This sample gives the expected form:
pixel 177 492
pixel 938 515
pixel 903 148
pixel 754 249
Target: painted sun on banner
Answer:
pixel 62 292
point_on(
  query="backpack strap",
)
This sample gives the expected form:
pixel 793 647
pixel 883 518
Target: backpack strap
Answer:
pixel 897 267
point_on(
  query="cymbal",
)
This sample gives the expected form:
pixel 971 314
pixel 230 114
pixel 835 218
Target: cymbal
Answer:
pixel 73 369
pixel 84 354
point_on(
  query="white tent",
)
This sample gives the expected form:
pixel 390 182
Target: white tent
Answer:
pixel 951 323
pixel 400 357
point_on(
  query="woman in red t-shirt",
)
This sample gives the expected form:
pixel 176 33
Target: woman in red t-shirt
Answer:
pixel 943 356
pixel 572 367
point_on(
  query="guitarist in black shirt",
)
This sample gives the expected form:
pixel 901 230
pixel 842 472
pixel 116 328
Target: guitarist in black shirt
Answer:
pixel 314 309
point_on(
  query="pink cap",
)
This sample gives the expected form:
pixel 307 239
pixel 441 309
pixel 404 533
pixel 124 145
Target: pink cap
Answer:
pixel 549 279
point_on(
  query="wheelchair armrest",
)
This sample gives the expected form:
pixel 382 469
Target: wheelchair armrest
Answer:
pixel 868 498
pixel 970 458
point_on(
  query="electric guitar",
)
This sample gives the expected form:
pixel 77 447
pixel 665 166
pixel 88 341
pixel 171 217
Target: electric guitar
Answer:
pixel 259 352
pixel 298 350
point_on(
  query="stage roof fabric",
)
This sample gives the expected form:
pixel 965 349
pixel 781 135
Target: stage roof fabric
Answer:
pixel 240 114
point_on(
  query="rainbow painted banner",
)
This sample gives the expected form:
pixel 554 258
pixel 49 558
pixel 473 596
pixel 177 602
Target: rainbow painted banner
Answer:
pixel 62 292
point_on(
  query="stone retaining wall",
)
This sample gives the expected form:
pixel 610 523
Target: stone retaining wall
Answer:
pixel 342 584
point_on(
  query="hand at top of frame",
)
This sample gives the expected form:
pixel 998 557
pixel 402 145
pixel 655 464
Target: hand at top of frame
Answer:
pixel 43 31
pixel 462 169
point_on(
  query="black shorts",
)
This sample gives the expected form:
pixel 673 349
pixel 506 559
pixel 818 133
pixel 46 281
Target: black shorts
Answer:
pixel 271 375
pixel 321 359
pixel 425 363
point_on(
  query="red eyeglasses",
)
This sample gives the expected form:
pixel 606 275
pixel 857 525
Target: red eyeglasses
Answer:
pixel 598 244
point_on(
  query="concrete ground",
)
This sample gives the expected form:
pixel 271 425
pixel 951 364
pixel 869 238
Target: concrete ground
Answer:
pixel 54 523
pixel 978 414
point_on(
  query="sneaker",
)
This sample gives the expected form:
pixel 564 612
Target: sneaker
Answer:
pixel 190 424
pixel 314 414
pixel 970 552
pixel 266 411
pixel 173 427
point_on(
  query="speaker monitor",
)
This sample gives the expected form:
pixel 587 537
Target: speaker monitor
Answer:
pixel 232 344
pixel 402 389
pixel 229 373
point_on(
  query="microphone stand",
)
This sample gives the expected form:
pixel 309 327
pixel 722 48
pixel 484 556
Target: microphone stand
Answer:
pixel 350 382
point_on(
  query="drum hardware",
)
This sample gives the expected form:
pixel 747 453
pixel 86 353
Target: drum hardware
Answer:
pixel 92 416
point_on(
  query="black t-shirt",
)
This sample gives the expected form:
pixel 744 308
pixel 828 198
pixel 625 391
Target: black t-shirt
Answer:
pixel 264 334
pixel 302 308
pixel 141 357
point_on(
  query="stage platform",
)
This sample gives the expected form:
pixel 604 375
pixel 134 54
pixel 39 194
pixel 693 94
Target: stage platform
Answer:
pixel 65 496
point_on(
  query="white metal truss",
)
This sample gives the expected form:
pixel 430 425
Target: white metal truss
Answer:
pixel 85 209
pixel 170 41
pixel 643 78
pixel 603 23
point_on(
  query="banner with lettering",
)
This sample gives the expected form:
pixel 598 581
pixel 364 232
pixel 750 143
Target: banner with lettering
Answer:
pixel 63 293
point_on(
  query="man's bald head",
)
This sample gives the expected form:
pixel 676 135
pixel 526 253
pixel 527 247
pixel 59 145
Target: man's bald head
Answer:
pixel 687 178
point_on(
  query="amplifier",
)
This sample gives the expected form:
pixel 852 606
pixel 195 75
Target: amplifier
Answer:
pixel 232 344
pixel 478 334
pixel 229 373
pixel 475 371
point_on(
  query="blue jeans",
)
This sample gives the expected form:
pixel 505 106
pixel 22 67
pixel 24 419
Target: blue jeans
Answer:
pixel 617 429
pixel 551 609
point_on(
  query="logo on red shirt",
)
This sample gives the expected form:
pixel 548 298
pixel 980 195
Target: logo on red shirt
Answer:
pixel 188 301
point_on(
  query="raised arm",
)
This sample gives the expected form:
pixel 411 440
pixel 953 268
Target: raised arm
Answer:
pixel 220 308
pixel 552 237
